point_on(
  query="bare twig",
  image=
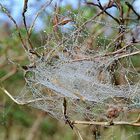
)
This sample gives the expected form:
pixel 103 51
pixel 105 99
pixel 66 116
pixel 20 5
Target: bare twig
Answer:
pixel 114 40
pixel 119 54
pixel 17 28
pixel 109 5
pixel 107 123
pixel 67 120
pixel 92 3
pixel 119 50
pixel 132 8
pixel 137 120
pixel 104 10
pixel 128 54
pixel 38 13
pixel 7 93
pixel 23 13
pixel 78 133
pixel 20 102
pixel 25 24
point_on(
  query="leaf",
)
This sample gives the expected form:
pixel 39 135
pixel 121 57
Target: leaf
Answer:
pixel 64 22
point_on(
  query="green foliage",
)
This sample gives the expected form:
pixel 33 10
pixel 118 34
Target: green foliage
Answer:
pixel 21 116
pixel 48 127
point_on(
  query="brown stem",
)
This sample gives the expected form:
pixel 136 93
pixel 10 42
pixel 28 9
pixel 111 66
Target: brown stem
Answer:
pixel 25 24
pixel 104 10
pixel 17 28
pixel 107 123
pixel 38 13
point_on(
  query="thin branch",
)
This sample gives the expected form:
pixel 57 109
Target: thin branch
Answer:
pixel 104 10
pixel 20 102
pixel 23 13
pixel 78 133
pixel 32 51
pixel 67 120
pixel 38 13
pixel 7 93
pixel 91 3
pixel 128 54
pixel 114 40
pixel 25 7
pixel 132 8
pixel 109 5
pixel 119 54
pixel 138 119
pixel 17 28
pixel 107 123
pixel 93 18
pixel 119 50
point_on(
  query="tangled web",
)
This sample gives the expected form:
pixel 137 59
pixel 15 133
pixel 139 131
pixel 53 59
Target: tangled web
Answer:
pixel 83 75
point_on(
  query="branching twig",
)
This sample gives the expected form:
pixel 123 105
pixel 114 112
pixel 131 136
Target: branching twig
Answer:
pixel 128 54
pixel 38 13
pixel 119 50
pixel 119 54
pixel 104 10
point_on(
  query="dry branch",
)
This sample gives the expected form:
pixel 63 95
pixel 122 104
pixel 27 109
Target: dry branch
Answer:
pixel 72 123
pixel 107 123
pixel 132 8
pixel 17 28
pixel 38 13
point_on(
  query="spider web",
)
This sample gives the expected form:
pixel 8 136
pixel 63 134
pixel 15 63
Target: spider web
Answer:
pixel 74 66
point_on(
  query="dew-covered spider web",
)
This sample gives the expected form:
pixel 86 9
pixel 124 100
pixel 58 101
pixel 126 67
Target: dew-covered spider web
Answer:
pixel 81 63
